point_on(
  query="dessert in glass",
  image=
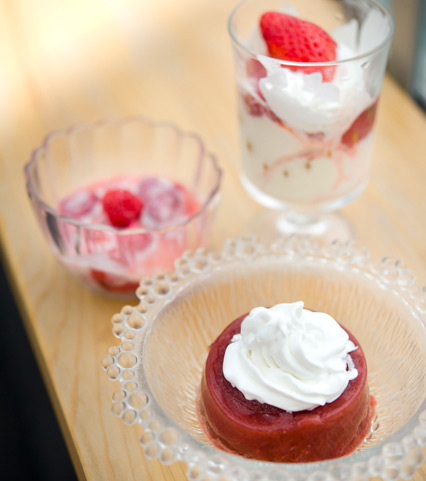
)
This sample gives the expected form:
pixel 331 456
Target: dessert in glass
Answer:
pixel 182 313
pixel 286 384
pixel 115 203
pixel 309 76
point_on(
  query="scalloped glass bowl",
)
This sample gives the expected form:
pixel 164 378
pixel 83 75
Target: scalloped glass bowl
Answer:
pixel 71 159
pixel 165 339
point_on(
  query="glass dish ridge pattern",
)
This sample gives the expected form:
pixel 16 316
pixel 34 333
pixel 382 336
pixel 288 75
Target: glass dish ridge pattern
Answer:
pixel 92 156
pixel 397 456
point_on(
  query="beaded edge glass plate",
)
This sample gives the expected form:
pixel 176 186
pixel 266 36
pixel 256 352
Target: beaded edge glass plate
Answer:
pixel 165 339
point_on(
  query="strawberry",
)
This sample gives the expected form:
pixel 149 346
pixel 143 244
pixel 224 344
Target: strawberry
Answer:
pixel 192 205
pixel 254 72
pixel 112 282
pixel 253 106
pixel 289 38
pixel 122 207
pixel 361 126
pixel 256 109
pixel 255 69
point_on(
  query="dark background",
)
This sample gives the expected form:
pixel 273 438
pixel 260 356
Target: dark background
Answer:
pixel 31 445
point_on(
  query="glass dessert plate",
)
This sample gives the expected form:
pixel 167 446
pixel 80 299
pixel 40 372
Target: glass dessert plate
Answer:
pixel 165 339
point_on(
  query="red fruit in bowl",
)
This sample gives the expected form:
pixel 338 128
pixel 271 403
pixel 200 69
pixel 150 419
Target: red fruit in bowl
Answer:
pixel 79 204
pixel 290 38
pixel 151 187
pixel 112 282
pixel 166 208
pixel 132 248
pixel 192 206
pixel 361 126
pixel 165 202
pixel 122 207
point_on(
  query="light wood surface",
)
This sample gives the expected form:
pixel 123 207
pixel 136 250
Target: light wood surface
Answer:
pixel 79 60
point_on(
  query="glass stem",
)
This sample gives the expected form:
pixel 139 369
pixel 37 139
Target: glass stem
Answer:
pixel 302 219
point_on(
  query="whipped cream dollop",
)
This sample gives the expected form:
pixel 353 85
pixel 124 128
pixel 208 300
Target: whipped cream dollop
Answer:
pixel 290 357
pixel 307 103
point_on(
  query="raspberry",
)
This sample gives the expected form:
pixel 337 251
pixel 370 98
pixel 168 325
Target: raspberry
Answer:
pixel 122 207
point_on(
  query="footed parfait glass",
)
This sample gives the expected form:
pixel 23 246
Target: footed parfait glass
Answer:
pixel 307 127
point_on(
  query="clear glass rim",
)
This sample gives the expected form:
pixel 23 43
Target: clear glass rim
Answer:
pixel 383 45
pixel 342 256
pixel 32 163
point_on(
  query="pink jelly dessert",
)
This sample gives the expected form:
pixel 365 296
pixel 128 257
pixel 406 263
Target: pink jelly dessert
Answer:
pixel 265 432
pixel 145 229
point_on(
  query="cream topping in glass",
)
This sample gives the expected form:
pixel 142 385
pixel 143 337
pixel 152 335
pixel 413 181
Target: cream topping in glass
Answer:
pixel 307 103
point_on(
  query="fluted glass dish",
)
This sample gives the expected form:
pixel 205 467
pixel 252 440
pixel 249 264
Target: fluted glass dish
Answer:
pixel 180 314
pixel 105 258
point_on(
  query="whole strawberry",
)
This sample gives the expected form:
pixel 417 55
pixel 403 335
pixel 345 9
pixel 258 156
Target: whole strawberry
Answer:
pixel 122 207
pixel 295 40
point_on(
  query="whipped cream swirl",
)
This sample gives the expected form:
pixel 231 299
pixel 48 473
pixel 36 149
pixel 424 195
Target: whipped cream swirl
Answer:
pixel 308 104
pixel 290 357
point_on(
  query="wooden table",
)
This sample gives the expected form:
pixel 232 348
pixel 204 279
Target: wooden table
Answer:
pixel 63 62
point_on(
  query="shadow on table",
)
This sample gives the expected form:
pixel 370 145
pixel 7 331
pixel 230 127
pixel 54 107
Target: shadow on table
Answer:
pixel 31 444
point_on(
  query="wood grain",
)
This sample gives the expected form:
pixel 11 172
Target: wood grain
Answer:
pixel 79 60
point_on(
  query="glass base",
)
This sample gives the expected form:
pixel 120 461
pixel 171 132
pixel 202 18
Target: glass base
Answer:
pixel 324 226
pixel 274 203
